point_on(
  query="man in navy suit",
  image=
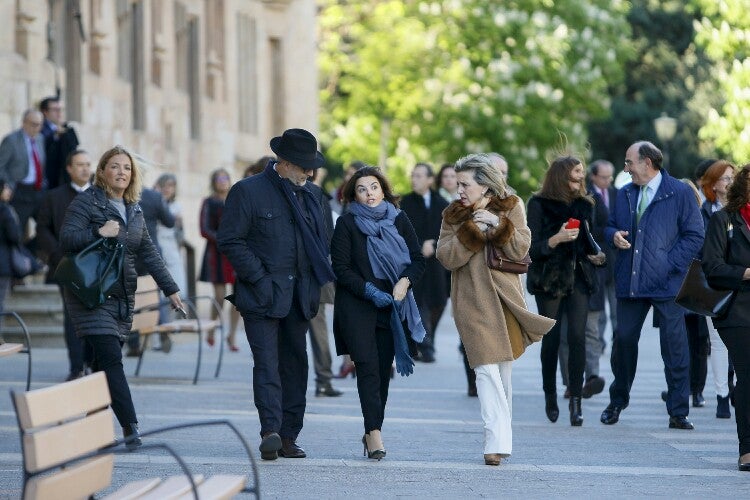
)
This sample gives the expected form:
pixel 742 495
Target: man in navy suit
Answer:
pixel 22 160
pixel 274 234
pixel 59 141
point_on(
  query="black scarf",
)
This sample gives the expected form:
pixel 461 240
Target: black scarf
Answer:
pixel 312 229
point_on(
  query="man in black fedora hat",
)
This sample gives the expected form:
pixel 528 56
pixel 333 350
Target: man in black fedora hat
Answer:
pixel 276 236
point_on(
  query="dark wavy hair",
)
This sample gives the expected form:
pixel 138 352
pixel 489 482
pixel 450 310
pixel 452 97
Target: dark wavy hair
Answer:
pixel 348 194
pixel 555 184
pixel 737 196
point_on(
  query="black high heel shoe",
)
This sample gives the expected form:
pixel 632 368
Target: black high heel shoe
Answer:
pixel 550 407
pixel 576 419
pixel 378 451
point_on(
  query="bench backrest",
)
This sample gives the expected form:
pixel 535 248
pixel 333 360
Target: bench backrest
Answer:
pixel 147 293
pixel 61 423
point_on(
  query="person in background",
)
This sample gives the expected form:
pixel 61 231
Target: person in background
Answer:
pixel 319 342
pixel 49 224
pixel 445 182
pixel 10 234
pixel 715 183
pixel 726 263
pixel 562 276
pixel 424 207
pixel 109 209
pixel 601 175
pixel 489 306
pixel 216 268
pixel 376 258
pixel 258 166
pixel 60 140
pixel 170 242
pixel 654 248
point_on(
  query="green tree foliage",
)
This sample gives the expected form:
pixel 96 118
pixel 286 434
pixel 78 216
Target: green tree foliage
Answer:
pixel 724 31
pixel 432 81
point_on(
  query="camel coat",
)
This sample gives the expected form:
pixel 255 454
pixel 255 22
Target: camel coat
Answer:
pixel 489 306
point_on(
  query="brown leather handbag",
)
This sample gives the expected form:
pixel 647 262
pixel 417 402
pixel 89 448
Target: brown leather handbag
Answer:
pixel 496 259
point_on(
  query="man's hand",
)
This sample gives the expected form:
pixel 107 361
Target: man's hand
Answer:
pixel 428 248
pixel 620 240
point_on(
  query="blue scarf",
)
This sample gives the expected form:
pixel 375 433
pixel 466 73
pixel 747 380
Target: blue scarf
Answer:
pixel 388 255
pixel 313 232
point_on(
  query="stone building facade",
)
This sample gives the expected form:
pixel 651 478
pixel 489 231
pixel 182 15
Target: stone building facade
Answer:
pixel 188 85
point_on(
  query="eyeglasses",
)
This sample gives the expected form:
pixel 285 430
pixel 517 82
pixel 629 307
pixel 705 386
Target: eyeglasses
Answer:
pixel 629 163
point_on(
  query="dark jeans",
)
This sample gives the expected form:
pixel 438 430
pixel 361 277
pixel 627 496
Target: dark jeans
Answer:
pixel 374 378
pixel 575 307
pixel 107 351
pixel 699 344
pixel 737 341
pixel 280 366
pixel 631 314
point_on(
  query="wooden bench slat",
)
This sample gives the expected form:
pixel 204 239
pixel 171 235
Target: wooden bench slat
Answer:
pixel 75 482
pixel 134 490
pixel 219 487
pixel 57 444
pixel 173 487
pixel 8 348
pixel 62 401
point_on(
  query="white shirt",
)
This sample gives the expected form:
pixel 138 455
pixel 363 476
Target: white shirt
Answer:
pixel 651 188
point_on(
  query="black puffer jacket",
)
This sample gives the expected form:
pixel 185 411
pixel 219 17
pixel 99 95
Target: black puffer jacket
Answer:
pixel 85 215
pixel 10 234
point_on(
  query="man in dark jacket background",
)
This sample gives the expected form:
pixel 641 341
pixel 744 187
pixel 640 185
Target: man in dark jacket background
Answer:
pixel 657 229
pixel 60 140
pixel 424 207
pixel 274 234
pixel 49 223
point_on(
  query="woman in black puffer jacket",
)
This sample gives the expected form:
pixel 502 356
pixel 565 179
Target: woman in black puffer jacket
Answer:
pixel 10 234
pixel 110 209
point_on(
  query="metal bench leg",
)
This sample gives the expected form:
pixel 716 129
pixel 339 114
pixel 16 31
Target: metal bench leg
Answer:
pixel 140 356
pixel 221 349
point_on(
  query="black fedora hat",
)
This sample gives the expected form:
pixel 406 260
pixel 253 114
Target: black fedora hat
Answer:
pixel 298 146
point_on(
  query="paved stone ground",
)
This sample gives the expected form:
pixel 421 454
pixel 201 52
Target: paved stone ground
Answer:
pixel 432 432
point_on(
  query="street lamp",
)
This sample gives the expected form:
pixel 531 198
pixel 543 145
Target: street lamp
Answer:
pixel 666 128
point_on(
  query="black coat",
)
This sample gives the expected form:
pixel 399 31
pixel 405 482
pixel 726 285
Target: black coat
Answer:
pixel 86 214
pixel 49 223
pixel 432 289
pixel 57 147
pixel 601 215
pixel 259 236
pixel 724 266
pixel 10 235
pixel 355 317
pixel 553 270
pixel 155 210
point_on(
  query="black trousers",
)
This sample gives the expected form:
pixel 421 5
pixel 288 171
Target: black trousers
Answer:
pixel 575 306
pixel 279 348
pixel 107 351
pixel 700 346
pixel 430 315
pixel 737 341
pixel 374 377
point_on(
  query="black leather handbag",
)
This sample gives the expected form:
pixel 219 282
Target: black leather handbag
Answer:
pixel 91 273
pixel 697 296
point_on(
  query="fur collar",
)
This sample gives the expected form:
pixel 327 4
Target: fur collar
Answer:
pixel 456 213
pixel 469 233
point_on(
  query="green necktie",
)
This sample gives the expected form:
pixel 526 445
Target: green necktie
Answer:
pixel 643 203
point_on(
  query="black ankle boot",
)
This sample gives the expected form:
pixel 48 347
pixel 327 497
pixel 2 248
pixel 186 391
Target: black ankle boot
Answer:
pixel 550 406
pixel 132 436
pixel 576 419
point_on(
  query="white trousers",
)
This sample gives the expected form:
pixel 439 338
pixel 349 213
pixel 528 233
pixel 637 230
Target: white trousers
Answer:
pixel 496 401
pixel 719 361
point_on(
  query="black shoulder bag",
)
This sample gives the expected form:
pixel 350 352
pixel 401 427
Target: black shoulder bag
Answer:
pixel 91 273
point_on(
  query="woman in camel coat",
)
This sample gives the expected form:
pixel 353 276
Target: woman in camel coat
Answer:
pixel 489 306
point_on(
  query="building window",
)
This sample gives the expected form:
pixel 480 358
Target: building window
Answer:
pixel 215 48
pixel 97 35
pixel 158 47
pixel 137 67
pixel 278 90
pixel 187 74
pixel 247 77
pixel 124 40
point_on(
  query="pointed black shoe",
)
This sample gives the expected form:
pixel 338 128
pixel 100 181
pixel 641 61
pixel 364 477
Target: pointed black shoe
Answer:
pixel 550 407
pixel 611 414
pixel 270 446
pixel 680 422
pixel 132 436
pixel 576 419
pixel 290 449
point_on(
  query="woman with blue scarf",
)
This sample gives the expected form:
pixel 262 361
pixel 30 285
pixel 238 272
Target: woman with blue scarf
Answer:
pixel 376 258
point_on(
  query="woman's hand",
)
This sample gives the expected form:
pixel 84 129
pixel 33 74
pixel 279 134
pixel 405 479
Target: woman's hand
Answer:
pixel 746 275
pixel 400 289
pixel 110 229
pixel 563 236
pixel 598 259
pixel 177 304
pixel 486 219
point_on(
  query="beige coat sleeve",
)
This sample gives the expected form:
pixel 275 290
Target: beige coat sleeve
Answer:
pixel 451 253
pixel 520 241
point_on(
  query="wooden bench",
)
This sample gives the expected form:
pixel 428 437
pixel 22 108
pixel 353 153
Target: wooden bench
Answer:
pixel 68 445
pixel 148 300
pixel 8 348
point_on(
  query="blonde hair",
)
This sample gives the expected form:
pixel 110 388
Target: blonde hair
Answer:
pixel 133 191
